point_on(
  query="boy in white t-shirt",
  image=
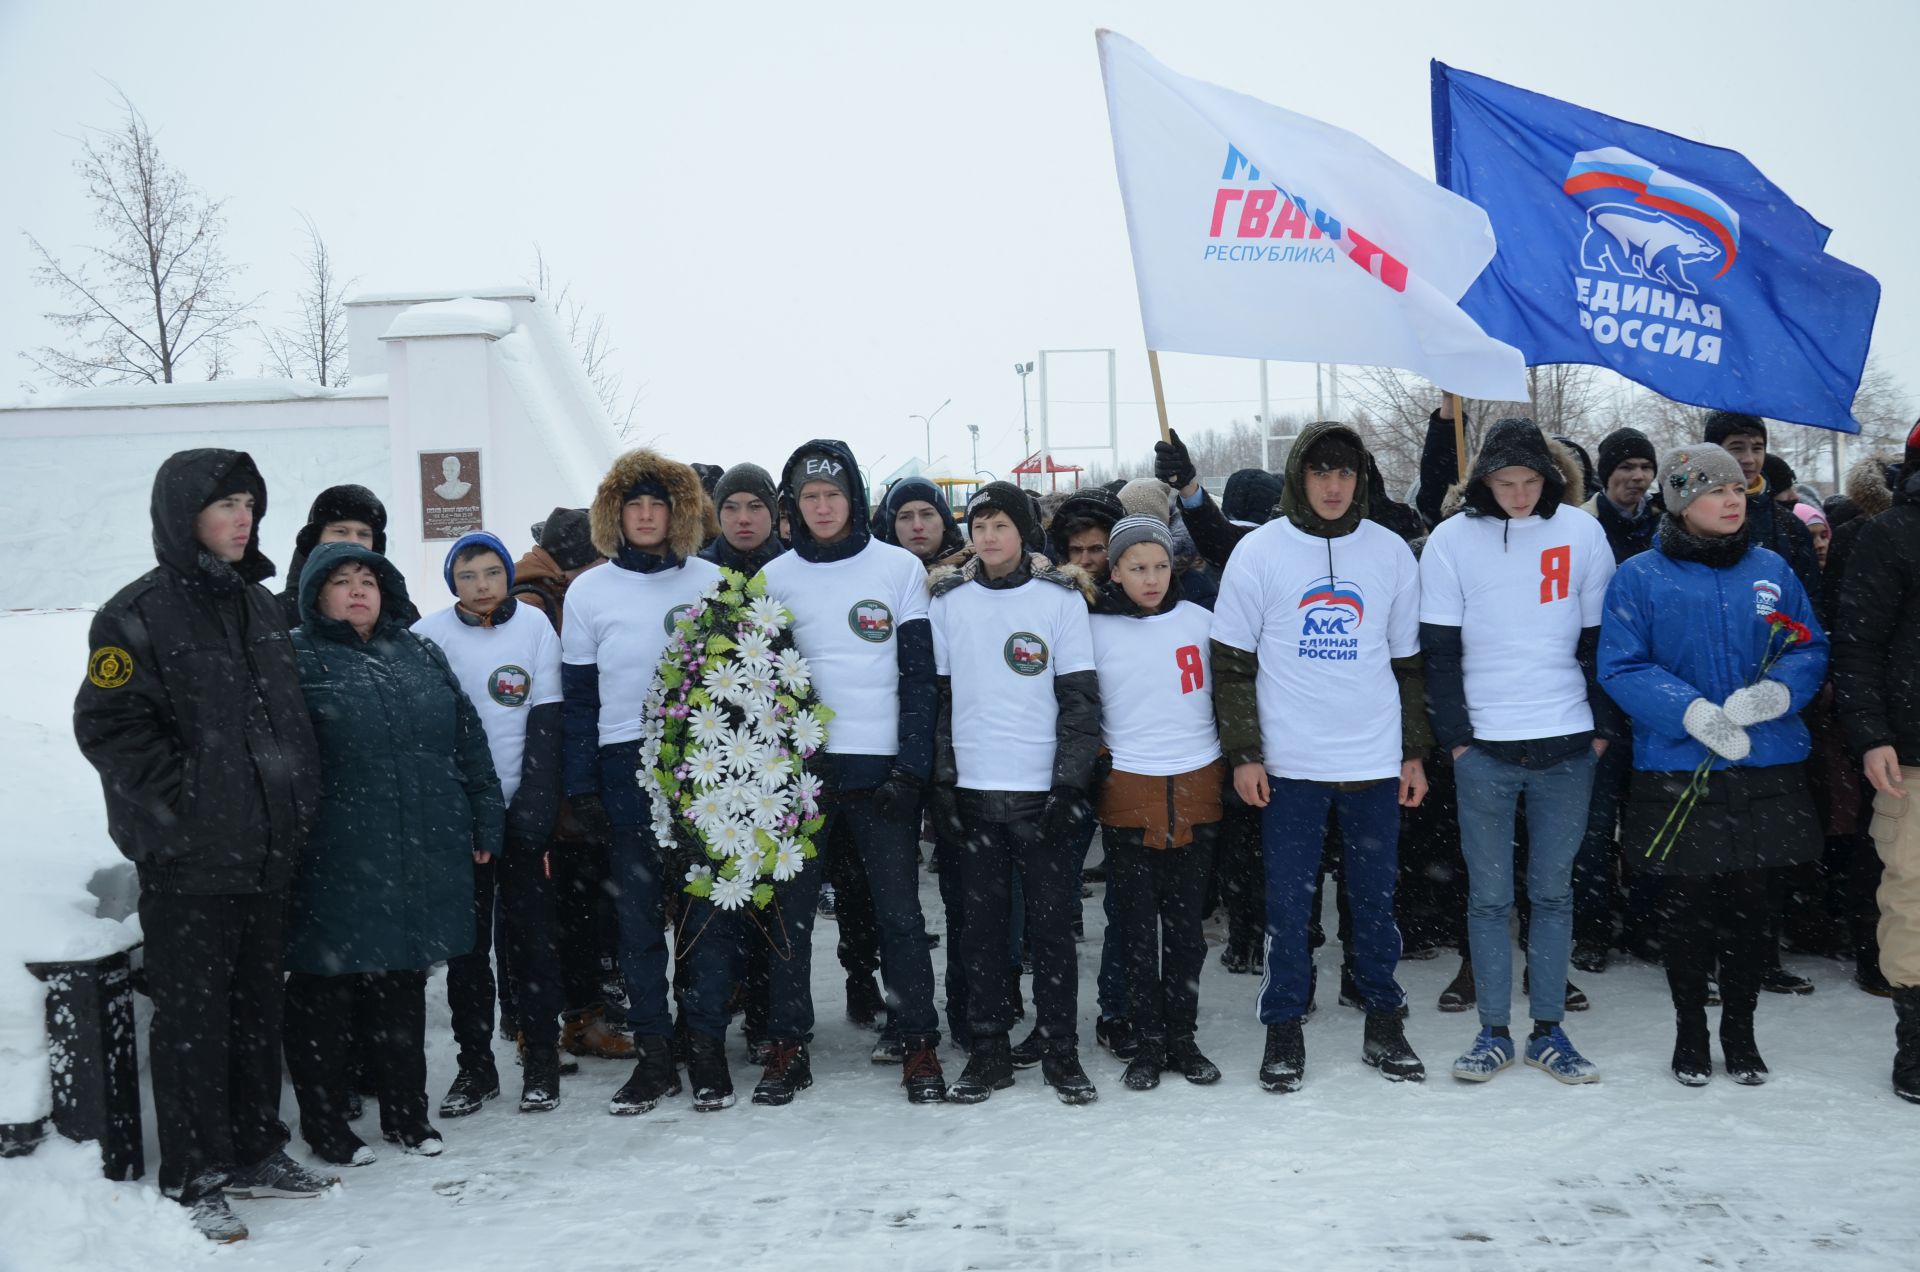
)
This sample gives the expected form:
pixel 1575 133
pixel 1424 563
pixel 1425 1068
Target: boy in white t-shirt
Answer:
pixel 1019 730
pixel 507 659
pixel 1316 658
pixel 1160 805
pixel 1511 594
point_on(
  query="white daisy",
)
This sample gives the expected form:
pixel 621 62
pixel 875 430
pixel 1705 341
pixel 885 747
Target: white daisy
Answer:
pixel 807 787
pixel 793 670
pixel 728 835
pixel 707 724
pixel 754 649
pixel 724 681
pixel 767 614
pixel 788 860
pixel 773 777
pixel 806 732
pixel 707 806
pixel 731 894
pixel 706 766
pixel 696 873
pixel 767 807
pixel 758 698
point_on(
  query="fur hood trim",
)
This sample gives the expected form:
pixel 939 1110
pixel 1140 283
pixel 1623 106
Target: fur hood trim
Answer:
pixel 1866 483
pixel 945 578
pixel 686 527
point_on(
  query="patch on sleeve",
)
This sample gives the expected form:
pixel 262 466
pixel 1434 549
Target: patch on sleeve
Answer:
pixel 110 667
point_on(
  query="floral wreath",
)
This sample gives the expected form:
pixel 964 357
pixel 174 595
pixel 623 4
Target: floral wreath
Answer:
pixel 727 755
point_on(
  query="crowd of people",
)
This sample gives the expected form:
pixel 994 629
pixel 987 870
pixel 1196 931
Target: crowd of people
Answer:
pixel 1674 692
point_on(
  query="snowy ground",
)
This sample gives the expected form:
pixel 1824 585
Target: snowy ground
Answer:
pixel 1816 1170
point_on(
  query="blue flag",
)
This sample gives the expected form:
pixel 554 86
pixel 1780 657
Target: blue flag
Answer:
pixel 1677 264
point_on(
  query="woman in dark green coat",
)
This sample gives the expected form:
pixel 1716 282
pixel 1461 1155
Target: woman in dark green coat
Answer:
pixel 408 802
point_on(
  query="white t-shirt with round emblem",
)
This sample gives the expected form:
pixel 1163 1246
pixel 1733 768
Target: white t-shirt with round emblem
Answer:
pixel 506 670
pixel 1002 648
pixel 620 620
pixel 845 614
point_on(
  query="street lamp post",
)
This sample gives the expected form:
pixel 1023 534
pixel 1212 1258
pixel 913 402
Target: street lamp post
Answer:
pixel 1023 370
pixel 975 430
pixel 928 421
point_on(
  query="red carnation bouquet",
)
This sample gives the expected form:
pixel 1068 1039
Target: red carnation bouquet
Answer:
pixel 1782 634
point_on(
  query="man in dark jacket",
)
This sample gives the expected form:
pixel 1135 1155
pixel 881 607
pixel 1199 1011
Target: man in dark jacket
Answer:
pixel 1876 673
pixel 1077 535
pixel 745 500
pixel 915 516
pixel 193 715
pixel 1769 524
pixel 1623 504
pixel 340 514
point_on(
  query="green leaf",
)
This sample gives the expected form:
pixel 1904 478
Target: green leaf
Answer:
pixel 700 698
pixel 702 888
pixel 812 825
pixel 824 713
pixel 786 701
pixel 766 842
pixel 806 849
pixel 757 586
pixel 732 578
pixel 717 644
pixel 672 677
pixel 669 754
pixel 763 895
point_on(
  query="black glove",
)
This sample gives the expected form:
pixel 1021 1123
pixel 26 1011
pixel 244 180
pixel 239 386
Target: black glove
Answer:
pixel 943 803
pixel 592 816
pixel 897 798
pixel 1171 463
pixel 1061 816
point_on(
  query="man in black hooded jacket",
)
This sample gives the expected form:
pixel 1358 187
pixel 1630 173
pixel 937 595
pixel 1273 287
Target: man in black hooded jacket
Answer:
pixel 192 713
pixel 340 514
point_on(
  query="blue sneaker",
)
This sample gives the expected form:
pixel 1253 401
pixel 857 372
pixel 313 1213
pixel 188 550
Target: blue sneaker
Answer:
pixel 1554 1055
pixel 1489 1054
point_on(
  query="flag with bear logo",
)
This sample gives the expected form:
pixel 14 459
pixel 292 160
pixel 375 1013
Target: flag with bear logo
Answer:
pixel 1675 263
pixel 1261 233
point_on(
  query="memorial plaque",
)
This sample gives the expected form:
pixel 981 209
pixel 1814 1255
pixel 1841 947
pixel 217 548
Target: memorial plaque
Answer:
pixel 449 493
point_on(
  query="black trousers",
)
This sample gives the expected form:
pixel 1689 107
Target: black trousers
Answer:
pixel 1243 875
pixel 213 972
pixel 1160 905
pixel 392 1009
pixel 1724 921
pixel 1002 834
pixel 516 880
pixel 587 929
pixel 859 936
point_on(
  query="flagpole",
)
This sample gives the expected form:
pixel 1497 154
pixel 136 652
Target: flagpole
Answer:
pixel 1159 397
pixel 1459 434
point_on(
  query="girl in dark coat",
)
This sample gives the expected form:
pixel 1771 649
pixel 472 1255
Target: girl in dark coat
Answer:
pixel 408 802
pixel 1687 629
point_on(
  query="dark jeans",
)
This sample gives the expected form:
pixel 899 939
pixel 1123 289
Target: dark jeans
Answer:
pixel 588 929
pixel 1002 830
pixel 1110 987
pixel 392 1010
pixel 889 850
pixel 639 891
pixel 1596 866
pixel 1162 903
pixel 1243 881
pixel 529 962
pixel 1723 921
pixel 858 936
pixel 213 972
pixel 1294 833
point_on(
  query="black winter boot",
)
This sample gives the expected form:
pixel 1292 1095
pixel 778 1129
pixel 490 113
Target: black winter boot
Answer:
pixel 654 1078
pixel 1738 1047
pixel 1117 1035
pixel 865 1006
pixel 708 1074
pixel 1060 1069
pixel 989 1069
pixel 1284 1065
pixel 1385 1047
pixel 1906 1033
pixel 1026 1053
pixel 472 1087
pixel 1459 994
pixel 540 1079
pixel 920 1071
pixel 1149 1057
pixel 1692 1049
pixel 789 1071
pixel 1184 1058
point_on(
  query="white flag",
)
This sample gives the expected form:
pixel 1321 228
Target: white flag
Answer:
pixel 1259 233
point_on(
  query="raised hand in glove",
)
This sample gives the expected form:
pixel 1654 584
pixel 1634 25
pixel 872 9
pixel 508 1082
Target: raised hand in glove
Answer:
pixel 897 798
pixel 1710 727
pixel 592 816
pixel 1172 464
pixel 1756 704
pixel 1061 816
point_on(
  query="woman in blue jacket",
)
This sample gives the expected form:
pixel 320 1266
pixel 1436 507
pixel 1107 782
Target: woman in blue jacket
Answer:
pixel 1686 631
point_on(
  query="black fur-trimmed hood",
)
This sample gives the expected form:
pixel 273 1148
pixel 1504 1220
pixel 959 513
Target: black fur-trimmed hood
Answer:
pixel 945 578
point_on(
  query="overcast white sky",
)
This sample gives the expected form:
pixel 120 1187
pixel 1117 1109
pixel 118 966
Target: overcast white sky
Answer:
pixel 806 220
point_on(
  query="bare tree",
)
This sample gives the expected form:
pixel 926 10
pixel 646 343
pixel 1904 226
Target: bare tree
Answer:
pixel 587 333
pixel 137 306
pixel 313 346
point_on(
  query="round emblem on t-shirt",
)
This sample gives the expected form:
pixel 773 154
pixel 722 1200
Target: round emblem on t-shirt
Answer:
pixel 871 620
pixel 509 685
pixel 674 616
pixel 1025 653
